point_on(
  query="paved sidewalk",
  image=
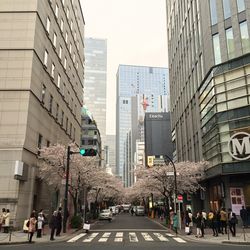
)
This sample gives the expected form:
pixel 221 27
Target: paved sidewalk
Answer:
pixel 242 235
pixel 19 237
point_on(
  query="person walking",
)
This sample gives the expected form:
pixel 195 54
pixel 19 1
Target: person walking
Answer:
pixel 175 222
pixel 31 226
pixel 223 220
pixel 232 221
pixel 6 218
pixel 2 219
pixel 171 217
pixel 243 216
pixel 59 222
pixel 53 225
pixel 132 211
pixel 44 220
pixel 40 221
pixel 199 225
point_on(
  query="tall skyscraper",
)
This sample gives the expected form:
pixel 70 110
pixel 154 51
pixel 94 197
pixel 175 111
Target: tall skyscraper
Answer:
pixel 41 92
pixel 209 64
pixel 140 89
pixel 95 83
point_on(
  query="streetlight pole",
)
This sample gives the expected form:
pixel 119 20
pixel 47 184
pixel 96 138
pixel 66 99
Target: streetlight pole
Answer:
pixel 65 213
pixel 166 157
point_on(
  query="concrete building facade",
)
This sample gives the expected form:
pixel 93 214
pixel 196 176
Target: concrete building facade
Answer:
pixel 41 90
pixel 209 85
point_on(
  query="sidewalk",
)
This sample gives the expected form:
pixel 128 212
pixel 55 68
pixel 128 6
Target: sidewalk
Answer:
pixel 19 237
pixel 242 236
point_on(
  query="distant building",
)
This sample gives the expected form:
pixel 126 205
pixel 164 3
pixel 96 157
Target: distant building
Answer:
pixel 140 89
pixel 111 152
pixel 41 95
pixel 95 81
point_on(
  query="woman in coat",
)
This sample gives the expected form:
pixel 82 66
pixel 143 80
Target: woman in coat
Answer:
pixel 6 218
pixel 32 226
pixel 40 222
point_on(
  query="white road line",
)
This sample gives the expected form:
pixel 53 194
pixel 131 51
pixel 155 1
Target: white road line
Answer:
pixel 118 239
pixel 103 239
pixel 160 237
pixel 179 240
pixel 119 235
pixel 170 235
pixel 77 237
pixel 91 237
pixel 132 237
pixel 106 235
pixel 147 237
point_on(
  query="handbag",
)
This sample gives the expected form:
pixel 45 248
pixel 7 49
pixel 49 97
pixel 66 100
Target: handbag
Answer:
pixel 187 229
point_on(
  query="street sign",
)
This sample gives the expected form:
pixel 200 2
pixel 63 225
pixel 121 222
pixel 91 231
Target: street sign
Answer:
pixel 151 161
pixel 179 197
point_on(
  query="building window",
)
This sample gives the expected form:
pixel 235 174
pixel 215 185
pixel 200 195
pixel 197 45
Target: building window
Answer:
pixel 244 37
pixel 54 40
pixel 57 111
pixel 59 81
pixel 50 103
pixel 65 63
pixel 61 25
pixel 217 53
pixel 56 11
pixel 62 118
pixel 60 52
pixel 48 25
pixel 241 5
pixel 66 37
pixel 213 12
pixel 43 93
pixel 226 9
pixel 45 59
pixel 230 43
pixel 53 70
pixel 40 140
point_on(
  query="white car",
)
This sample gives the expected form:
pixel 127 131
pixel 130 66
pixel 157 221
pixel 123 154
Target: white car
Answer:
pixel 140 210
pixel 105 214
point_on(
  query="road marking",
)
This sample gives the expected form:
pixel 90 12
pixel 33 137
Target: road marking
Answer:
pixel 103 239
pixel 106 235
pixel 170 235
pixel 132 237
pixel 179 240
pixel 119 235
pixel 160 237
pixel 91 237
pixel 118 239
pixel 147 237
pixel 77 237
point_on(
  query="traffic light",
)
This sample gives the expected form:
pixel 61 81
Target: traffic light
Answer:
pixel 88 152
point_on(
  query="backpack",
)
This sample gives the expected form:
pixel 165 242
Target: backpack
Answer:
pixel 28 223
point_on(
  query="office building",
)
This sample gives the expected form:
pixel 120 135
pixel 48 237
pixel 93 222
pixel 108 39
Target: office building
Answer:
pixel 111 152
pixel 140 89
pixel 95 82
pixel 209 65
pixel 41 91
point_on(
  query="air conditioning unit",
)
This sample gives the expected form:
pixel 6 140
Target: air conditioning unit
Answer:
pixel 20 171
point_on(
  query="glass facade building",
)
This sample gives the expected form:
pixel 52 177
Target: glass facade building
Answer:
pixel 209 86
pixel 138 88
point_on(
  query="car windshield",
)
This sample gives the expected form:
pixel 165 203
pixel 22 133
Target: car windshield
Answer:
pixel 140 207
pixel 105 211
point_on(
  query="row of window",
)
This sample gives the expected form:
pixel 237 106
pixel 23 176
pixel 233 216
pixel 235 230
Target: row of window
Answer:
pixel 245 41
pixel 56 114
pixel 226 9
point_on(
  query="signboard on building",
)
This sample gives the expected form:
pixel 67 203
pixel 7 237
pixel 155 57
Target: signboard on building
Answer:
pixel 151 161
pixel 239 146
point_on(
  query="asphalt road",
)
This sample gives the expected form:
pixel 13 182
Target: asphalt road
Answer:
pixel 124 232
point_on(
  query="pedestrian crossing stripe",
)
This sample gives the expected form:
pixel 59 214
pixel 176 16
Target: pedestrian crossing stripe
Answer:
pixel 119 237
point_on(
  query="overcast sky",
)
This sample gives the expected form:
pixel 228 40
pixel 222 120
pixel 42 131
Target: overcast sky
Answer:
pixel 136 34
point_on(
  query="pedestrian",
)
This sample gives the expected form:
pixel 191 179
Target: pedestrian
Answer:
pixel 53 224
pixel 132 211
pixel 199 225
pixel 2 218
pixel 212 222
pixel 171 217
pixel 31 226
pixel 40 221
pixel 232 221
pixel 188 222
pixel 44 221
pixel 59 221
pixel 223 220
pixel 6 219
pixel 243 216
pixel 175 222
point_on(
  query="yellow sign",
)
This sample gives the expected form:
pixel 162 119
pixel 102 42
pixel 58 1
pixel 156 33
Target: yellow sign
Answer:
pixel 151 161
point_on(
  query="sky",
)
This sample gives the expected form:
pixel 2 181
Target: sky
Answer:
pixel 136 35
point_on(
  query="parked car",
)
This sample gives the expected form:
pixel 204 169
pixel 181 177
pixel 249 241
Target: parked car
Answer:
pixel 126 207
pixel 139 210
pixel 105 214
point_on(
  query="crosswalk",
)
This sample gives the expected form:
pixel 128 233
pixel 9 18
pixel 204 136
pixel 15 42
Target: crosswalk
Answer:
pixel 136 237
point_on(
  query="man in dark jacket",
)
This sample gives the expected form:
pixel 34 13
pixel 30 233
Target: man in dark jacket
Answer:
pixel 53 225
pixel 243 216
pixel 59 221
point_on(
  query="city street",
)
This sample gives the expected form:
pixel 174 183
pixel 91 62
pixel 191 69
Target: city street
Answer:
pixel 127 232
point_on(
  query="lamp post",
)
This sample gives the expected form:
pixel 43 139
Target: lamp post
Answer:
pixel 166 157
